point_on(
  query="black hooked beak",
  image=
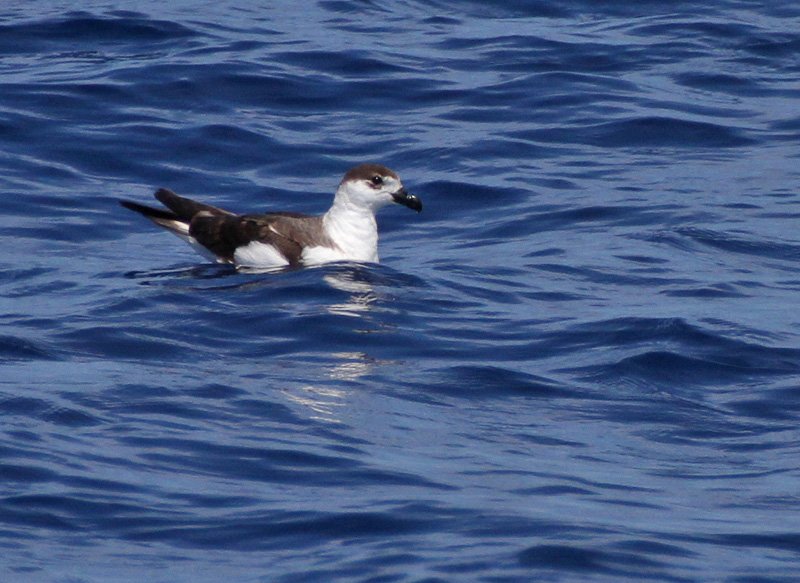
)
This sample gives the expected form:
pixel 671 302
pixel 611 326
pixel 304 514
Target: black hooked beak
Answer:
pixel 411 201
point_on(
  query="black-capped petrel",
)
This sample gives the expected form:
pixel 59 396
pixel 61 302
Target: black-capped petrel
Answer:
pixel 347 232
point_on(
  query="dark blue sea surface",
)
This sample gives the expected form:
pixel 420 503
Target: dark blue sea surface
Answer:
pixel 580 362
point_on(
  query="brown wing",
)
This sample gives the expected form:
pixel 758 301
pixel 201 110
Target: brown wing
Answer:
pixel 289 233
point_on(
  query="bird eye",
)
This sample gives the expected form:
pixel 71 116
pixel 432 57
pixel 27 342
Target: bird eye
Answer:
pixel 377 180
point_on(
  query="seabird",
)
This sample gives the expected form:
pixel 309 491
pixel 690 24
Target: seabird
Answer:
pixel 347 232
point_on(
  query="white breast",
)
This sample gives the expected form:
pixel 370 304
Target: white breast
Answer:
pixel 354 233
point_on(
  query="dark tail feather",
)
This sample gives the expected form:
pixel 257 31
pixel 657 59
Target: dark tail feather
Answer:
pixel 148 211
pixel 160 217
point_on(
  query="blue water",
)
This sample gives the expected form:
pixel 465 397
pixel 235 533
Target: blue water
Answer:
pixel 580 362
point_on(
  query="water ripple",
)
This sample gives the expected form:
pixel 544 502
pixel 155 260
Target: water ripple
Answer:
pixel 580 362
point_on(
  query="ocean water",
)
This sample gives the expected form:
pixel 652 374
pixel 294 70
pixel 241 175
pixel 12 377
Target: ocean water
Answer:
pixel 580 362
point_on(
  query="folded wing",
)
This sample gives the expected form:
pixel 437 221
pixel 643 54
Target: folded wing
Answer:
pixel 222 232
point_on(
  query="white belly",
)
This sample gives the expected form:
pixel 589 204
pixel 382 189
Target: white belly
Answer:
pixel 317 255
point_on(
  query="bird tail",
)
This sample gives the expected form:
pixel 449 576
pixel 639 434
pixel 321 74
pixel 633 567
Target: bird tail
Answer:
pixel 160 217
pixel 186 209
